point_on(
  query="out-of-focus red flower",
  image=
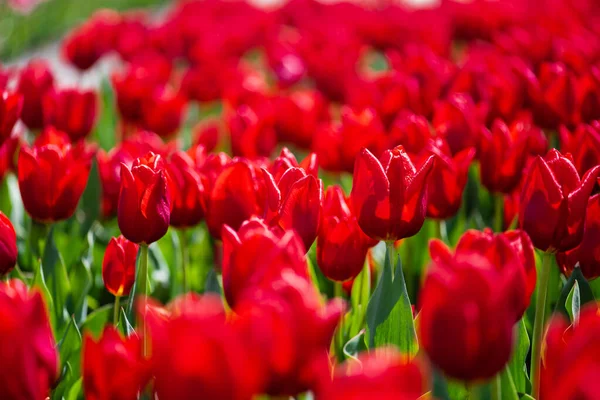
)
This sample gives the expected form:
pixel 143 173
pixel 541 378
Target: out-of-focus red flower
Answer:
pixel 144 202
pixel 207 81
pixel 569 357
pixel 195 350
pixel 457 120
pixel 131 37
pixel 113 366
pixel 286 160
pixel 389 195
pixel 583 144
pixel 52 175
pixel 118 266
pixel 341 245
pixel 553 202
pixel 588 95
pixel 290 330
pixel 187 191
pixel 297 116
pixel 28 348
pixel 587 253
pixel 552 95
pixel 252 134
pixel 240 192
pixel 466 310
pixel 163 112
pixel 8 245
pixel 11 105
pixel 208 134
pixel 35 80
pixel 447 179
pixel 410 130
pixel 8 152
pixel 385 375
pixel 283 57
pixel 255 256
pixel 71 111
pixel 338 145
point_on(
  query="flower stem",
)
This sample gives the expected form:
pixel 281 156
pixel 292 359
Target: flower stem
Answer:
pixel 338 291
pixel 183 244
pixel 496 387
pixel 498 212
pixel 538 325
pixel 389 247
pixel 143 291
pixel 116 310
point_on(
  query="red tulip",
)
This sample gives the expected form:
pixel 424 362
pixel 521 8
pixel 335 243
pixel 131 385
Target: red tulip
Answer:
pixel 553 95
pixel 187 191
pixel 53 175
pixel 587 253
pixel 410 130
pixel 389 194
pixel 298 115
pixel 286 160
pixel 341 245
pixel 113 366
pixel 144 205
pixel 208 134
pixel 163 112
pixel 290 330
pixel 255 256
pixel 252 133
pixel 447 179
pixel 34 81
pixel 11 105
pixel 466 323
pixel 71 111
pixel 553 202
pixel 30 359
pixel 457 119
pixel 588 95
pixel 570 357
pixel 196 352
pixel 8 152
pixel 8 245
pixel 385 375
pixel 118 266
pixel 583 144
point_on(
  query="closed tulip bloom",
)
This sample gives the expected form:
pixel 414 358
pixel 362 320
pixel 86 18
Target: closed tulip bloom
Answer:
pixel 11 105
pixel 144 205
pixel 457 119
pixel 286 160
pixel 389 195
pixel 35 80
pixel 30 358
pixel 113 367
pixel 410 130
pixel 341 245
pixel 466 323
pixel 588 95
pixel 255 256
pixel 8 245
pixel 553 95
pixel 298 114
pixel 570 357
pixel 583 144
pixel 118 266
pixel 71 111
pixel 187 191
pixel 52 176
pixel 252 133
pixel 163 112
pixel 553 202
pixel 385 375
pixel 587 253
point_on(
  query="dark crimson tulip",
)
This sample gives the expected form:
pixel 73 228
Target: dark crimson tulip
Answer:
pixel 118 266
pixel 71 111
pixel 552 93
pixel 410 130
pixel 389 195
pixel 240 192
pixel 457 119
pixel 587 253
pixel 53 175
pixel 385 375
pixel 187 191
pixel 30 358
pixel 290 331
pixel 583 144
pixel 195 351
pixel 255 256
pixel 553 202
pixel 286 160
pixel 35 80
pixel 588 95
pixel 144 204
pixel 8 245
pixel 163 112
pixel 11 105
pixel 570 357
pixel 81 47
pixel 113 366
pixel 341 245
pixel 447 179
pixel 252 133
pixel 466 323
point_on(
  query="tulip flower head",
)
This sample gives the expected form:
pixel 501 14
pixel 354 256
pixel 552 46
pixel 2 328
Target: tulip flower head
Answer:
pixel 8 245
pixel 118 266
pixel 11 105
pixel 35 80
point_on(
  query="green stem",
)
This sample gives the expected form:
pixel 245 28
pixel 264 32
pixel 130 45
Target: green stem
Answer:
pixel 338 291
pixel 498 212
pixel 142 290
pixel 442 230
pixel 183 244
pixel 37 232
pixel 389 246
pixel 116 310
pixel 474 392
pixel 496 387
pixel 538 326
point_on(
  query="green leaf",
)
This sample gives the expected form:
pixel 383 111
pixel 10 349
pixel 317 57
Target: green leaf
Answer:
pixel 90 204
pixel 96 321
pixel 355 346
pixel 517 364
pixel 39 282
pixel 507 384
pixel 126 326
pixel 104 132
pixel 57 278
pixel 584 292
pixel 212 283
pixel 70 342
pixel 76 391
pixel 361 291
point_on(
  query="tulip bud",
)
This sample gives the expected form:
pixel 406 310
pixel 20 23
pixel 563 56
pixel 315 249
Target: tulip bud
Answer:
pixel 71 111
pixel 118 266
pixel 583 144
pixel 11 105
pixel 187 191
pixel 35 80
pixel 457 120
pixel 8 245
pixel 163 112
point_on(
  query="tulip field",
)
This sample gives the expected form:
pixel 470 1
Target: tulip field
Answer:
pixel 309 200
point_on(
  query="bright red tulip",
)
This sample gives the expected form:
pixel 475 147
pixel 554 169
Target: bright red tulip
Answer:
pixel 8 245
pixel 163 112
pixel 552 93
pixel 144 204
pixel 583 144
pixel 30 358
pixel 53 175
pixel 187 191
pixel 118 266
pixel 8 152
pixel 298 115
pixel 71 111
pixel 286 160
pixel 457 119
pixel 255 256
pixel 553 202
pixel 11 105
pixel 35 80
pixel 410 130
pixel 113 367
pixel 208 134
pixel 252 133
pixel 389 195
